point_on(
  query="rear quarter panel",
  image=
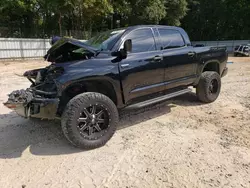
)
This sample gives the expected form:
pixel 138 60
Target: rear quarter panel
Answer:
pixel 207 55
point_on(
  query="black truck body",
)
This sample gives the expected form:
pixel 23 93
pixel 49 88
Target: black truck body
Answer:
pixel 130 66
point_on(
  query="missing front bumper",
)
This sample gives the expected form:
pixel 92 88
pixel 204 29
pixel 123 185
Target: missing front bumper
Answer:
pixel 26 104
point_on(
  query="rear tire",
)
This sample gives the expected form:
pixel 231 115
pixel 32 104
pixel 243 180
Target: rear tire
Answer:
pixel 89 120
pixel 209 86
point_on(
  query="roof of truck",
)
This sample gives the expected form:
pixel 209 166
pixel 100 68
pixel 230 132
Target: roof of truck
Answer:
pixel 142 26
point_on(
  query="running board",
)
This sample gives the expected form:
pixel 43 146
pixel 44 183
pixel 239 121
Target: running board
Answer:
pixel 158 99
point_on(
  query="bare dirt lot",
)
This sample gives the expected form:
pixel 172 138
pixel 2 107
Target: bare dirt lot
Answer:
pixel 181 143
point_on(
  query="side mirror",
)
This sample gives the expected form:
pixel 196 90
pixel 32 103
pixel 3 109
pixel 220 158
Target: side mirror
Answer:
pixel 127 47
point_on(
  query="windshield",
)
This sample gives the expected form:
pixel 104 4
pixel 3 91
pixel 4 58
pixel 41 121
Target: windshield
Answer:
pixel 105 40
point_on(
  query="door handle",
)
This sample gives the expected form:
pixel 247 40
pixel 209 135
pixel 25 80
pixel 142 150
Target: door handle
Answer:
pixel 124 66
pixel 191 54
pixel 158 58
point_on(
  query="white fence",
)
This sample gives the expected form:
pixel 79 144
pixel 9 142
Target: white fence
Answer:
pixel 16 48
pixel 230 44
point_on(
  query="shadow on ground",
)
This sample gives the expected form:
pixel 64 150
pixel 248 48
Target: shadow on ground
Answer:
pixel 42 137
pixel 130 118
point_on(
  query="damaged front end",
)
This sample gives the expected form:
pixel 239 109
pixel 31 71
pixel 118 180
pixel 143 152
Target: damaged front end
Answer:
pixel 42 99
pixel 27 104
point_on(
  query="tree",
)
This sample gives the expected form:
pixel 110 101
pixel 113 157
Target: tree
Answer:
pixel 203 19
pixel 147 11
pixel 175 11
pixel 218 20
pixel 92 11
pixel 19 14
pixel 153 11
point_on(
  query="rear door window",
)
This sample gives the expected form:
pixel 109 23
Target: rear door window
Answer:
pixel 171 38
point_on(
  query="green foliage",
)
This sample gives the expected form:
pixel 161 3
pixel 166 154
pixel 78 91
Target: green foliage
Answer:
pixel 155 11
pixel 147 11
pixel 48 17
pixel 176 10
pixel 218 20
pixel 203 19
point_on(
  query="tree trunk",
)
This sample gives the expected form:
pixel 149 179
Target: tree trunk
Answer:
pixel 60 23
pixel 90 29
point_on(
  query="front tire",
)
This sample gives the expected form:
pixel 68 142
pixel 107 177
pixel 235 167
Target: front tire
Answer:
pixel 209 87
pixel 89 120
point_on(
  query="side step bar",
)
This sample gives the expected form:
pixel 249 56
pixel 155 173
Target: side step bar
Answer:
pixel 158 99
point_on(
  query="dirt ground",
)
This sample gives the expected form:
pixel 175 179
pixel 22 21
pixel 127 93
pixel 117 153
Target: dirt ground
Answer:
pixel 180 143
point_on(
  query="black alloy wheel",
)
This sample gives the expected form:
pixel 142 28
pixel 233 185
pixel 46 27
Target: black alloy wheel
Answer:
pixel 89 120
pixel 94 121
pixel 213 87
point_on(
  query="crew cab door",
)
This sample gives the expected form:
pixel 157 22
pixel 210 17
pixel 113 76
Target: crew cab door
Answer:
pixel 179 59
pixel 142 72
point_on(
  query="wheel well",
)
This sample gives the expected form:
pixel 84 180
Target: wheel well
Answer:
pixel 103 87
pixel 212 66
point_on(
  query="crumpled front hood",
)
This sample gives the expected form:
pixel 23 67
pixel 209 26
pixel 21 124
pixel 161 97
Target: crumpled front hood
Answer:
pixel 67 44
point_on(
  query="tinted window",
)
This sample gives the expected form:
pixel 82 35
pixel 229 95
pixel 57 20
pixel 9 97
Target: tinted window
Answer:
pixel 171 38
pixel 142 40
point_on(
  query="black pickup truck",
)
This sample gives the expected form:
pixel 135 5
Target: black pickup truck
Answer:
pixel 88 82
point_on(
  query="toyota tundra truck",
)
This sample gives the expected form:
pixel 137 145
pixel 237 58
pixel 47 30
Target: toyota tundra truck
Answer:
pixel 88 83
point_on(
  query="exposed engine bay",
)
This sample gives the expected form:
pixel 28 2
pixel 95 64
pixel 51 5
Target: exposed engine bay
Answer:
pixel 66 50
pixel 40 100
pixel 43 80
